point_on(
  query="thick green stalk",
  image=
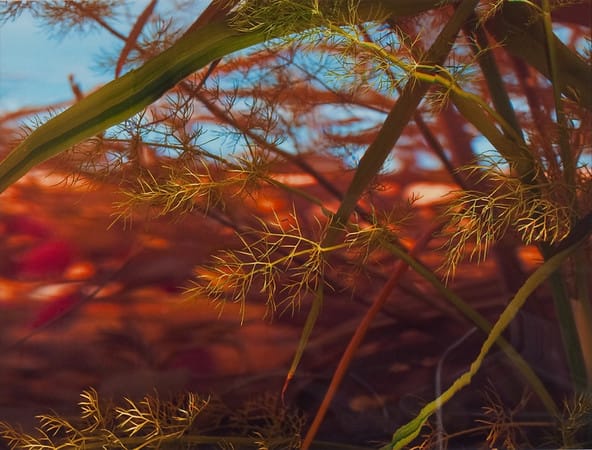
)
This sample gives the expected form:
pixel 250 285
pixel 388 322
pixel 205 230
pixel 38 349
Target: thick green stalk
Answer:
pixel 570 331
pixel 402 112
pixel 495 84
pixel 374 157
pixel 509 144
pixel 198 47
pixel 567 156
pixel 568 328
pixel 124 97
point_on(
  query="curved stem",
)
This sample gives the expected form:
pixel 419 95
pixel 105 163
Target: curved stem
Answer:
pixel 408 432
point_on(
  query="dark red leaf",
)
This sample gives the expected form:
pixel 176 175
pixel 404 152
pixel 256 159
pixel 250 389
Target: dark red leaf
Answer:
pixel 47 259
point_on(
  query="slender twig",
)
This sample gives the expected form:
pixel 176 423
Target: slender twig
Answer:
pixel 354 343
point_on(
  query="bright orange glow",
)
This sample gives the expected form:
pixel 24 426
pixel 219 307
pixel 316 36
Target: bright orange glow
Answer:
pixel 530 257
pixel 295 179
pixel 81 270
pixel 428 194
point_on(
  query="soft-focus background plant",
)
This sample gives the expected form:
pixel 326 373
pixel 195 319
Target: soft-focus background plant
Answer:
pixel 379 180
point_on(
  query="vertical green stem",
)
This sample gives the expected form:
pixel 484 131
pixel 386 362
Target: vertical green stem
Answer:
pixel 569 169
pixel 569 333
pixel 378 151
pixel 571 328
pixel 582 310
pixel 485 58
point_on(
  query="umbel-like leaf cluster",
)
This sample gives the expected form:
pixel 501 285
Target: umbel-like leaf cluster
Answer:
pixel 534 213
pixel 188 422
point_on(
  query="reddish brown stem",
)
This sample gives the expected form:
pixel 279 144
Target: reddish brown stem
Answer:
pixel 358 337
pixel 132 39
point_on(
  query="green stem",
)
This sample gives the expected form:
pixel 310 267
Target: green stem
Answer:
pixel 518 27
pixel 573 328
pixel 485 57
pixel 402 112
pixel 124 97
pixel 582 309
pixel 501 101
pixel 408 432
pixel 569 168
pixel 482 323
pixel 128 95
pixel 374 157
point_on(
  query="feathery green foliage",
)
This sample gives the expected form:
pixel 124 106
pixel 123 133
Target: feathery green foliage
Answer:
pixel 535 189
pixel 190 422
pixel 535 213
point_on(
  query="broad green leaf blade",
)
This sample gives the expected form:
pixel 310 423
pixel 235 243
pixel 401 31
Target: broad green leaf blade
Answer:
pixel 124 97
pixel 408 432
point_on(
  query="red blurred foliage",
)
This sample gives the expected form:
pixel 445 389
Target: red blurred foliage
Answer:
pixel 48 258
